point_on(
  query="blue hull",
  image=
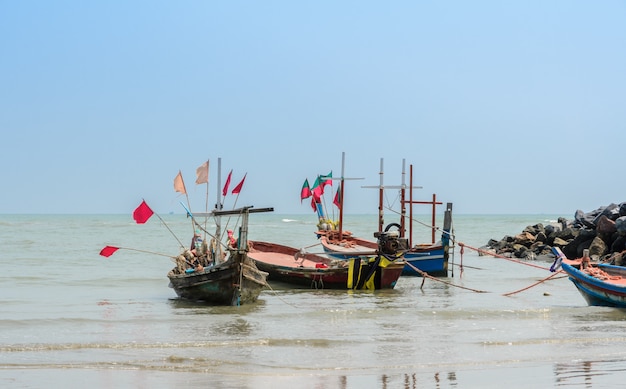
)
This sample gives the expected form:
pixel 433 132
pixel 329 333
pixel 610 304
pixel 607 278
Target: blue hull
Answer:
pixel 596 291
pixel 432 262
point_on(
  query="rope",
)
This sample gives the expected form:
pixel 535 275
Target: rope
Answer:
pixel 536 283
pixel 502 257
pixel 276 294
pixel 426 275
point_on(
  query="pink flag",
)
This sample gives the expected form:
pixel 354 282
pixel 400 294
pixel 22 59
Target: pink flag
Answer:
pixel 202 173
pixel 237 189
pixel 227 184
pixel 179 184
pixel 108 251
pixel 142 213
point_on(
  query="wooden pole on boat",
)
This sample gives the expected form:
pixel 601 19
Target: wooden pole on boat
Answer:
pixel 193 227
pixel 206 201
pixel 341 194
pixel 218 207
pixel 433 224
pixel 446 236
pixel 434 204
pixel 410 206
pixel 381 192
pixel 170 230
pixel 403 203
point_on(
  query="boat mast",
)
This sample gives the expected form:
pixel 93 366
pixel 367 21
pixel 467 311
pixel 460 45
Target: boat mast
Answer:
pixel 381 191
pixel 341 193
pixel 218 207
pixel 410 202
pixel 403 205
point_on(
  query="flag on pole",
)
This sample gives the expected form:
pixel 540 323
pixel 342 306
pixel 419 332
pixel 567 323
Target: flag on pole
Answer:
pixel 237 189
pixel 227 183
pixel 327 180
pixel 313 204
pixel 337 200
pixel 179 184
pixel 202 173
pixel 108 251
pixel 142 213
pixel 318 189
pixel 305 192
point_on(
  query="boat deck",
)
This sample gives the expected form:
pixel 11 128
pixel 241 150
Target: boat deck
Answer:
pixel 280 259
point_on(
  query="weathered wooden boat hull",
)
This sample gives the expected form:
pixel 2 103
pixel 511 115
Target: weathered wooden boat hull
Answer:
pixel 222 284
pixel 598 292
pixel 286 264
pixel 430 259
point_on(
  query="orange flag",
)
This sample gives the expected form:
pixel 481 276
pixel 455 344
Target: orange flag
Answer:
pixel 179 184
pixel 202 173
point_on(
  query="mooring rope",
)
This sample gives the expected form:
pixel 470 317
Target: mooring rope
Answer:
pixel 536 283
pixel 426 275
pixel 461 244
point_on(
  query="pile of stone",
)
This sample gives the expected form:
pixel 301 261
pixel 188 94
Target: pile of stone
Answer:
pixel 602 231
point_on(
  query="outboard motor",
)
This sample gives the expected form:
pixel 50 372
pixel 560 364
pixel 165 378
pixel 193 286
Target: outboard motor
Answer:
pixel 389 242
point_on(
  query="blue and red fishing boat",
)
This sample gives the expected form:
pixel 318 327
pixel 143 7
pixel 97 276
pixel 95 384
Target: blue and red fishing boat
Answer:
pixel 599 284
pixel 428 257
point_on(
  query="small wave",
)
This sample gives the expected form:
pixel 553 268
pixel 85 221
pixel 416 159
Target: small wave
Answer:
pixel 288 220
pixel 130 345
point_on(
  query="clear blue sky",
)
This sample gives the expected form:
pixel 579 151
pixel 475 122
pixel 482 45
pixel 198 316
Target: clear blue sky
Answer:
pixel 501 106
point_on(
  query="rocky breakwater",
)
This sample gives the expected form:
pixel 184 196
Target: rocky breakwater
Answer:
pixel 602 231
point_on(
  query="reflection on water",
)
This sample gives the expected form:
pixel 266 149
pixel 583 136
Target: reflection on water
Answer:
pixel 186 307
pixel 589 374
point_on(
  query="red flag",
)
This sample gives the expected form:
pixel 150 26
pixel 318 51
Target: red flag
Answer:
pixel 305 192
pixel 237 189
pixel 318 188
pixel 142 213
pixel 313 204
pixel 337 200
pixel 108 251
pixel 227 183
pixel 202 173
pixel 179 184
pixel 328 180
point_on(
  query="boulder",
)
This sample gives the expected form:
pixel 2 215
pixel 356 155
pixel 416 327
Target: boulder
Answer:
pixel 602 231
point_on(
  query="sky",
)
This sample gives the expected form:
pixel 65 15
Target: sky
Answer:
pixel 500 107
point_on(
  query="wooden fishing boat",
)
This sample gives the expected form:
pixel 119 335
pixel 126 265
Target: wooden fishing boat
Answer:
pixel 289 265
pixel 420 258
pixel 599 284
pixel 431 258
pixel 219 273
pixel 221 278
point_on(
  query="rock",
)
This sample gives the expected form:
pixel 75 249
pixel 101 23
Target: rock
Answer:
pixel 605 225
pixel 620 225
pixel 583 219
pixel 525 238
pixel 597 248
pixel 602 231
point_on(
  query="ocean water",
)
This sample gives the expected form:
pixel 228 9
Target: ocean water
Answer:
pixel 71 318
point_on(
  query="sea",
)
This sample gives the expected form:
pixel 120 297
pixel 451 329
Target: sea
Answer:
pixel 70 318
